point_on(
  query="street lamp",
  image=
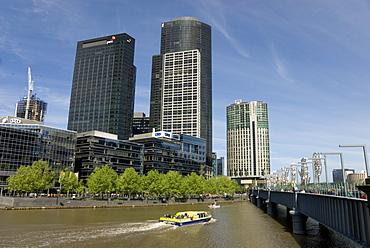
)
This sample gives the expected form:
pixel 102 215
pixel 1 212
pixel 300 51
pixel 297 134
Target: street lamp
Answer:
pixel 365 156
pixel 341 163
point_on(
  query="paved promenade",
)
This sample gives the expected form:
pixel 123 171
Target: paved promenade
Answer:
pixel 19 203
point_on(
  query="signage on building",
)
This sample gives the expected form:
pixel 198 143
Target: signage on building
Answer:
pixel 15 120
pixel 162 134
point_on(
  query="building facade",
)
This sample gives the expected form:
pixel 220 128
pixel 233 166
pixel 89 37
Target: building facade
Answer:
pixel 220 166
pixel 103 87
pixel 96 149
pixel 140 123
pixel 36 111
pixel 248 146
pixel 338 174
pixel 23 142
pixel 164 152
pixel 181 84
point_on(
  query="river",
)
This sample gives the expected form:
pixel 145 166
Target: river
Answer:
pixel 239 224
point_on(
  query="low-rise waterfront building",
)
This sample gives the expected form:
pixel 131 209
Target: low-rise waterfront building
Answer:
pixel 164 151
pixel 24 141
pixel 96 149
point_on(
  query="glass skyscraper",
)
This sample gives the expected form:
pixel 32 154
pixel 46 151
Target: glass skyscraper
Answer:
pixel 103 86
pixel 181 87
pixel 248 145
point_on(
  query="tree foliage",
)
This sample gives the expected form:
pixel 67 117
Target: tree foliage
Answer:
pixel 193 184
pixel 129 182
pixel 102 180
pixel 172 183
pixel 35 178
pixel 69 181
pixel 153 183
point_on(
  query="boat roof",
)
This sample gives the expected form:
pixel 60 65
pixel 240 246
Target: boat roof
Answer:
pixel 192 211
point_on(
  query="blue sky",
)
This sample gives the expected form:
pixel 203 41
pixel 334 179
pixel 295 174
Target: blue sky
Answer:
pixel 309 60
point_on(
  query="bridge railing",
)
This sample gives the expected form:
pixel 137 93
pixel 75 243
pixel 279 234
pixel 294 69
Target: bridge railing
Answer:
pixel 346 215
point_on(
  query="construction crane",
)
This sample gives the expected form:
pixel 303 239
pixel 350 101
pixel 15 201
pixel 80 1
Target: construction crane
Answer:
pixel 30 89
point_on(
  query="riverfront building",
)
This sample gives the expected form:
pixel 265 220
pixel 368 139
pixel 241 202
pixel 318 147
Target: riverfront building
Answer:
pixel 24 141
pixel 248 146
pixel 181 84
pixel 36 111
pixel 103 87
pixel 96 149
pixel 164 151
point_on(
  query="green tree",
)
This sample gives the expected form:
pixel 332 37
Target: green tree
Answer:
pixel 153 182
pixel 193 184
pixel 35 178
pixel 102 180
pixel 211 186
pixel 69 181
pixel 129 182
pixel 226 185
pixel 172 183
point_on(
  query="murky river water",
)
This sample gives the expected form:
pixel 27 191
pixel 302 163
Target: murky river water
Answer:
pixel 238 224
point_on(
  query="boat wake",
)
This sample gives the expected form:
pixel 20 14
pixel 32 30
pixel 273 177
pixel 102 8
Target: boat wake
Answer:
pixel 73 235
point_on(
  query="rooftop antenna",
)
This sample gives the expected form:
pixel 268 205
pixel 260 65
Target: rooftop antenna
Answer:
pixel 30 89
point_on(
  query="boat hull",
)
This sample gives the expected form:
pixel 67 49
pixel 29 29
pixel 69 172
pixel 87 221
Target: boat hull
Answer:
pixel 214 206
pixel 184 222
pixel 186 218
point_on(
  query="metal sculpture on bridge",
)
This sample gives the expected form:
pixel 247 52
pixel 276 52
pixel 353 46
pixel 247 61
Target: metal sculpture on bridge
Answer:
pixel 317 166
pixel 293 174
pixel 303 172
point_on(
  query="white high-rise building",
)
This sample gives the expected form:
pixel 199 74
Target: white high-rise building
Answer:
pixel 248 145
pixel 181 87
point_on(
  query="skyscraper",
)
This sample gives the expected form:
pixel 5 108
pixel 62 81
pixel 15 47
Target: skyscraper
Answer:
pixel 248 146
pixel 103 86
pixel 37 108
pixel 30 107
pixel 181 87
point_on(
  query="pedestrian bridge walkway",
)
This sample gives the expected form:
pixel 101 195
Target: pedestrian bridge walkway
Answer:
pixel 348 216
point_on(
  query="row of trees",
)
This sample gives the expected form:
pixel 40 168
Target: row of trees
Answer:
pixel 39 177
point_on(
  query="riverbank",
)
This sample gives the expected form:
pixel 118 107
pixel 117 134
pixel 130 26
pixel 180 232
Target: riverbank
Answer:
pixel 19 203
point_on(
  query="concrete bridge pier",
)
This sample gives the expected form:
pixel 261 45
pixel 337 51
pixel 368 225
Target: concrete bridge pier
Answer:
pixel 271 207
pixel 299 222
pixel 259 202
pixel 253 199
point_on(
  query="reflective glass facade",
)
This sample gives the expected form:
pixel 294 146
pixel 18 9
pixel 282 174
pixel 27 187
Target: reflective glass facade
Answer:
pixel 103 87
pixel 24 143
pixel 96 149
pixel 182 153
pixel 248 145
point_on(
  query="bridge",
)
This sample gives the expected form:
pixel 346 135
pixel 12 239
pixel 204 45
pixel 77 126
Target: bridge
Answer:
pixel 346 215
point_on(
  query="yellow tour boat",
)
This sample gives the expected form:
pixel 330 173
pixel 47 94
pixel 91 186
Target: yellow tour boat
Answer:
pixel 186 217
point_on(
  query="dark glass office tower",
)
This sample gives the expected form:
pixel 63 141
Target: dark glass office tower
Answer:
pixel 181 87
pixel 103 86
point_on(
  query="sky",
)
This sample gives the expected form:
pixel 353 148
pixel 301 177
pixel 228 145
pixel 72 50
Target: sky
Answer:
pixel 309 60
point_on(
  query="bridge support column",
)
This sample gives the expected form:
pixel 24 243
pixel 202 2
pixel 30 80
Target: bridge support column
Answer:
pixel 253 199
pixel 271 207
pixel 259 202
pixel 299 222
